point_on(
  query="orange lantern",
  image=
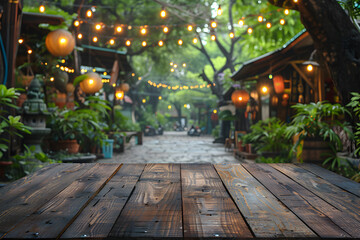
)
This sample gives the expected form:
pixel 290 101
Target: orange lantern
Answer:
pixel 60 43
pixel 124 87
pixel 240 98
pixel 92 84
pixel 279 86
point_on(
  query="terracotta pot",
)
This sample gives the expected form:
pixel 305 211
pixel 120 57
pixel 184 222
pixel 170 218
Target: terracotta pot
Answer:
pixel 71 146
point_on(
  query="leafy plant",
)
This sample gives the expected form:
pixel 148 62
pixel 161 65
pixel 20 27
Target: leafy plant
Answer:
pixel 316 120
pixel 355 105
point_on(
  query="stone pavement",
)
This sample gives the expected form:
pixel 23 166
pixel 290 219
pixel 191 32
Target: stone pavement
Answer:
pixel 174 147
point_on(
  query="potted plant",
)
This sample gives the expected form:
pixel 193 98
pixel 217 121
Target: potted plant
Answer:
pixel 313 127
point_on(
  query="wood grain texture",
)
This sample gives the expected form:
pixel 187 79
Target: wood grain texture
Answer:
pixel 208 210
pixel 265 214
pixel 97 219
pixel 333 178
pixel 299 200
pixel 154 208
pixel 55 216
pixel 25 196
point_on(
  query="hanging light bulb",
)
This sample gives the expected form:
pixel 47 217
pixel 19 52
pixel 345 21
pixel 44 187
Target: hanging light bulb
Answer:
pixel 29 51
pixel 42 8
pixel 180 42
pixel 98 26
pixel 160 97
pixel 128 43
pixel 79 36
pixel 175 65
pixel 163 13
pixel 77 23
pixel 231 35
pixel 213 24
pixel 118 29
pixel 161 43
pixel 190 28
pixel 286 11
pixel 171 63
pixel 282 21
pixel 144 44
pixel 143 31
pixel 213 37
pixel 95 39
pixel 172 70
pixel 20 41
pixel 184 64
pixel 112 41
pixel 260 18
pixel 195 40
pixel 165 29
pixel 219 11
pixel 89 13
pixel 241 23
pixel 309 68
pixel 250 30
pixel 268 25
pixel 129 27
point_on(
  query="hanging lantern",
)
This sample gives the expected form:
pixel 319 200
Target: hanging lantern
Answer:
pixel 119 93
pixel 60 43
pixel 279 86
pixel 92 84
pixel 240 98
pixel 274 100
pixel 125 87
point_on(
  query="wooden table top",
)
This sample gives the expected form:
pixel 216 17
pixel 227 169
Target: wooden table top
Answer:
pixel 245 201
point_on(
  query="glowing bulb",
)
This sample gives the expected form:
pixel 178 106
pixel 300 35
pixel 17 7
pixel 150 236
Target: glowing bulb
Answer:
pixel 139 78
pixel 98 27
pixel 295 1
pixel 250 30
pixel 76 23
pixel 231 35
pixel 264 89
pixel 79 36
pixel 163 13
pixel 213 37
pixel 165 29
pixel 171 63
pixel 91 81
pixel 29 51
pixel 260 18
pixel 112 41
pixel 172 70
pixel 89 13
pixel 215 111
pixel 119 29
pixel 52 79
pixel 219 11
pixel 270 76
pixel 95 39
pixel 282 21
pixel 94 70
pixel 169 107
pixel 309 68
pixel 161 43
pixel 160 97
pixel 62 40
pixel 184 65
pixel 190 28
pixel 21 41
pixel 128 43
pixel 195 40
pixel 129 27
pixel 268 25
pixel 144 44
pixel 41 8
pixel 144 100
pixel 119 95
pixel 143 31
pixel 175 65
pixel 241 23
pixel 213 24
pixel 62 60
pixel 286 11
pixel 180 42
pixel 240 99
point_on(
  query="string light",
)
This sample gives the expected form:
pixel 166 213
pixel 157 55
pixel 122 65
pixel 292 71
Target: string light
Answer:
pixel 286 11
pixel 264 90
pixel 144 100
pixel 295 1
pixel 172 70
pixel 213 37
pixel 219 11
pixel 161 43
pixel 112 41
pixel 143 31
pixel 98 26
pixel 231 35
pixel 260 19
pixel 250 30
pixel 309 68
pixel 79 36
pixel 184 65
pixel 52 79
pixel 171 63
pixel 144 44
pixel 89 13
pixel 268 25
pixel 241 23
pixel 129 27
pixel 282 21
pixel 128 43
pixel 118 29
pixel 190 28
pixel 163 13
pixel 160 97
pixel 29 51
pixel 20 41
pixel 42 8
pixel 95 39
pixel 213 24
pixel 175 65
pixel 180 42
pixel 195 40
pixel 165 29
pixel 77 23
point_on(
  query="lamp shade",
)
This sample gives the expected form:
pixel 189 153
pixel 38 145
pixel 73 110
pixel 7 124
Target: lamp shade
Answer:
pixel 279 85
pixel 240 98
pixel 60 43
pixel 92 84
pixel 125 87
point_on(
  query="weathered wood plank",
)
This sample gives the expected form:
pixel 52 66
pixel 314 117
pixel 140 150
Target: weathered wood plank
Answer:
pixel 208 211
pixel 154 208
pixel 342 200
pixel 333 178
pixel 25 196
pixel 266 215
pixel 300 201
pixel 54 217
pixel 97 219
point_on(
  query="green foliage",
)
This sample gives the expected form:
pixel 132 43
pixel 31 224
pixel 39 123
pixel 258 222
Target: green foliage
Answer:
pixel 316 120
pixel 355 106
pixel 268 136
pixel 10 125
pixel 227 115
pixel 216 132
pixel 277 159
pixel 122 123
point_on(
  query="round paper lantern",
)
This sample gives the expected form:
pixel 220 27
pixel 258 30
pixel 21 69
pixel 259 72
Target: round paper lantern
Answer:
pixel 92 84
pixel 240 98
pixel 60 43
pixel 125 87
pixel 279 86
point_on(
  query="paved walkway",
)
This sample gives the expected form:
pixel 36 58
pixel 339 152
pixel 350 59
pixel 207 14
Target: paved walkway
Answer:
pixel 174 147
